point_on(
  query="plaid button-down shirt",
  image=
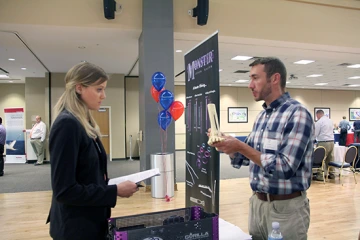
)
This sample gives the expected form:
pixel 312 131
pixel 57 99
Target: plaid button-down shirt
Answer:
pixel 284 134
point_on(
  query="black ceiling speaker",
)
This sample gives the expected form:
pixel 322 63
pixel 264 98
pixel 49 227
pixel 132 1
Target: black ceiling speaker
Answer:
pixel 201 12
pixel 109 9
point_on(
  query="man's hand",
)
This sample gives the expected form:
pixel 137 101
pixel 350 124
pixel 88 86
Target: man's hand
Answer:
pixel 229 145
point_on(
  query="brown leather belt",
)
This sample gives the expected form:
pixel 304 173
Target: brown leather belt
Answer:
pixel 272 197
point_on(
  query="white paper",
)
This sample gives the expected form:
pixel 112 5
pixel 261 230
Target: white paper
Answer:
pixel 228 231
pixel 136 177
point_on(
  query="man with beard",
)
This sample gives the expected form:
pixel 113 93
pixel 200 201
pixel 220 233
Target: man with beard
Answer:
pixel 279 152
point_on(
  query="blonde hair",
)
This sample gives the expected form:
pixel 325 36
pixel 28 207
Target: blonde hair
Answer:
pixel 86 74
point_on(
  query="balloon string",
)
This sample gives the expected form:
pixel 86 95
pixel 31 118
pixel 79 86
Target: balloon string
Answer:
pixel 160 133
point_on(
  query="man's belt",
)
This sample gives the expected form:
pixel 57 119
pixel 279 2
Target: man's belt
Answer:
pixel 35 138
pixel 325 141
pixel 273 197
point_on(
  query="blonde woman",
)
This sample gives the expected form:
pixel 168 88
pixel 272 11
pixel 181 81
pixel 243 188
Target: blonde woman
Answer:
pixel 81 198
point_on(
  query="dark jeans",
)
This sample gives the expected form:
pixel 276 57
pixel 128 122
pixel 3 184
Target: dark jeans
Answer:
pixel 342 138
pixel 1 159
pixel 356 136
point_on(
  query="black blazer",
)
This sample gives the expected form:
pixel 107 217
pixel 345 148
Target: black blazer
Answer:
pixel 81 198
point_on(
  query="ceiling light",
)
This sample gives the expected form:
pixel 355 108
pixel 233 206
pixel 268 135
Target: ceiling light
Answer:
pixel 354 66
pixel 220 70
pixel 315 75
pixel 4 76
pixel 354 77
pixel 81 47
pixel 304 62
pixel 354 85
pixel 320 84
pixel 178 51
pixel 229 84
pixel 241 58
pixel 241 81
pixel 23 68
pixel 11 59
pixel 11 81
pixel 288 82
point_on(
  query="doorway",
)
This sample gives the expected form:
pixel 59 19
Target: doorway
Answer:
pixel 102 118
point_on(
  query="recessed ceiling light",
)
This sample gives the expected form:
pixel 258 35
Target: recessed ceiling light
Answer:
pixel 241 81
pixel 320 84
pixel 11 59
pixel 178 51
pixel 81 47
pixel 23 68
pixel 354 85
pixel 220 70
pixel 354 77
pixel 354 66
pixel 11 81
pixel 304 62
pixel 241 58
pixel 4 76
pixel 288 82
pixel 315 75
pixel 229 84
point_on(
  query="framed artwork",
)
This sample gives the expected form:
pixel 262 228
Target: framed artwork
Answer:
pixel 326 112
pixel 354 114
pixel 237 114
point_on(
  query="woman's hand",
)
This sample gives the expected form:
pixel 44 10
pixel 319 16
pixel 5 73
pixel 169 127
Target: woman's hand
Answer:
pixel 126 189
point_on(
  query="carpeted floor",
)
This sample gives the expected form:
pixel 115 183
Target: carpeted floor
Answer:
pixel 29 178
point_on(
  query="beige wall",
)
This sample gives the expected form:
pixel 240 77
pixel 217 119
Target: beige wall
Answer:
pixel 115 94
pixel 339 103
pixel 114 99
pixel 11 95
pixel 132 116
pixel 35 97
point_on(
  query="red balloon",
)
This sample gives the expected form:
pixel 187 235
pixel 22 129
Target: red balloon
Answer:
pixel 176 110
pixel 155 93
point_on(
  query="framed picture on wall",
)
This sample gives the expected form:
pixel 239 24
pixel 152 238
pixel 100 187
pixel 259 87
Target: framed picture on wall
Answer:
pixel 237 114
pixel 354 114
pixel 326 112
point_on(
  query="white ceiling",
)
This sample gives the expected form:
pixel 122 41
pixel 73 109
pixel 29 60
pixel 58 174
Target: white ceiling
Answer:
pixel 116 51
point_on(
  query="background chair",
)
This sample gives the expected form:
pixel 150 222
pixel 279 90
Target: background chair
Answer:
pixel 319 160
pixel 347 163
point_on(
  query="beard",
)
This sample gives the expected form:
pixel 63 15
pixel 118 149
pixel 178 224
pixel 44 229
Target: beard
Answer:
pixel 264 92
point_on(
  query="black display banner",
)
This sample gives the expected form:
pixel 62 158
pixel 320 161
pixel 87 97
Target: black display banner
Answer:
pixel 202 161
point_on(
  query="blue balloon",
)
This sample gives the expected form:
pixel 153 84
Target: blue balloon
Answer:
pixel 166 99
pixel 158 80
pixel 164 119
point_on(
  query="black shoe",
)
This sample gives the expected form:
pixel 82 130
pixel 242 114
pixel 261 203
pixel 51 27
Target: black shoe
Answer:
pixel 37 164
pixel 1 174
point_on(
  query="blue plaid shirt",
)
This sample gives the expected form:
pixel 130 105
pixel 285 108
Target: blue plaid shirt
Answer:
pixel 284 134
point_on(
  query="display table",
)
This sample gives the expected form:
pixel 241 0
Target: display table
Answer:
pixel 349 138
pixel 228 231
pixel 339 153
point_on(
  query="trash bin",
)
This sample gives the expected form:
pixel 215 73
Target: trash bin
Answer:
pixel 164 184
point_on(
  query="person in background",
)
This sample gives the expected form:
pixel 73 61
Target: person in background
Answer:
pixel 356 126
pixel 280 152
pixel 344 127
pixel 37 139
pixel 81 198
pixel 325 137
pixel 2 146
